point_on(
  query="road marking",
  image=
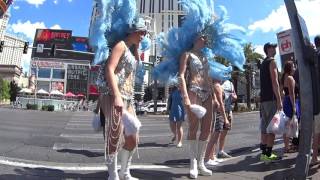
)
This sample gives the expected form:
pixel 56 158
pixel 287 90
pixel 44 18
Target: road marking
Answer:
pixel 67 166
pixel 99 135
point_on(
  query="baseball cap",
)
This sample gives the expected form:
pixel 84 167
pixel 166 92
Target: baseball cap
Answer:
pixel 268 45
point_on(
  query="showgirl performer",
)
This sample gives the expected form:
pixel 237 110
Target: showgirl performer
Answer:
pixel 116 36
pixel 188 53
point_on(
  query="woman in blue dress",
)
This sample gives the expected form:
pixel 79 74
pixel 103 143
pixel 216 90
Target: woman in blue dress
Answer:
pixel 176 115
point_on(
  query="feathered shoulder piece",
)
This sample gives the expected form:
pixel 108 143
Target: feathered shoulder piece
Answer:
pixel 200 20
pixel 112 22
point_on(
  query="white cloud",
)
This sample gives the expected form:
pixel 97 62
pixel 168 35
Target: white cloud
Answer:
pixel 55 1
pixel 69 0
pixel 278 19
pixel 35 2
pixel 16 7
pixel 56 26
pixel 25 63
pixel 27 28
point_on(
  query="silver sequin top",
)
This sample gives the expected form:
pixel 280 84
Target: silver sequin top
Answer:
pixel 125 73
pixel 198 73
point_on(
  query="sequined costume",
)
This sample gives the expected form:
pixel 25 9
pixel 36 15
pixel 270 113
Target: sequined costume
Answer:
pixel 125 73
pixel 197 76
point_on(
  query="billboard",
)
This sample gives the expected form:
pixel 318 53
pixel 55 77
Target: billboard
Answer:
pixel 63 40
pixel 77 78
pixel 4 5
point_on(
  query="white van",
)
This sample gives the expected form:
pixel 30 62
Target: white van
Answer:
pixel 161 107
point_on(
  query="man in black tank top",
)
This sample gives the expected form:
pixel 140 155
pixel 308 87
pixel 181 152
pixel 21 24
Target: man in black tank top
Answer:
pixel 270 100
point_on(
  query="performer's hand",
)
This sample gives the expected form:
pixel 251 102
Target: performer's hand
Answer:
pixel 118 104
pixel 279 106
pixel 187 102
pixel 215 104
pixel 227 123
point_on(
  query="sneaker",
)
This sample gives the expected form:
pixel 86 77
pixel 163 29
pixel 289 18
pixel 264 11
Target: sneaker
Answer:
pixel 217 159
pixel 211 163
pixel 223 154
pixel 179 145
pixel 270 159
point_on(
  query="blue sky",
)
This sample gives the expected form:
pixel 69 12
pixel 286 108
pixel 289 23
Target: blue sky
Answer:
pixel 261 18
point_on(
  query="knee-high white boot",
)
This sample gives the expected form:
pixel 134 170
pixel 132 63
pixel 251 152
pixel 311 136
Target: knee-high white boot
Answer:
pixel 202 146
pixel 126 157
pixel 112 168
pixel 193 150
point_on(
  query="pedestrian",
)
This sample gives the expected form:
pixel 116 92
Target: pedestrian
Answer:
pixel 116 79
pixel 316 131
pixel 230 96
pixel 99 110
pixel 188 59
pixel 270 100
pixel 289 100
pixel 176 115
pixel 220 120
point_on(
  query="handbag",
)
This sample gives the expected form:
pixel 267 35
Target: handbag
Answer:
pixel 131 123
pixel 198 110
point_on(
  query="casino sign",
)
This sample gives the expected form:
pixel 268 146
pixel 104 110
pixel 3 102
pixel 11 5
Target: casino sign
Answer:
pixel 4 5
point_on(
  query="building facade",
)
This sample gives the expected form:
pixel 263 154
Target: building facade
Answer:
pixel 11 55
pixel 66 68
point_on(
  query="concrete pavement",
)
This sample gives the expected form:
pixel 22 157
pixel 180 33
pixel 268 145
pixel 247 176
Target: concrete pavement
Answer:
pixel 62 145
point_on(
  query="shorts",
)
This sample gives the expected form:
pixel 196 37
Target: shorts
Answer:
pixel 220 125
pixel 268 110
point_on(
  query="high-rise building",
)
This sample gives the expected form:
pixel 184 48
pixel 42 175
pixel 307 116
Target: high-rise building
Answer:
pixel 11 56
pixel 165 13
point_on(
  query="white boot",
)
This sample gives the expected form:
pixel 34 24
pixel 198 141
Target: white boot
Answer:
pixel 202 146
pixel 193 149
pixel 112 168
pixel 126 157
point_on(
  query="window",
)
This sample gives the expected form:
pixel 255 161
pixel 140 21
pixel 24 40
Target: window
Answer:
pixel 58 73
pixel 43 85
pixel 33 71
pixel 44 73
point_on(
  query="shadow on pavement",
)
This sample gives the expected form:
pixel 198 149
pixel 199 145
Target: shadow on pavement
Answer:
pixel 49 174
pixel 152 144
pixel 82 152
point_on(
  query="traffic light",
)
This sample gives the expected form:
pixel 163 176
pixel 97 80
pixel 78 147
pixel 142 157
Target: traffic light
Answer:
pixel 1 46
pixel 53 50
pixel 25 47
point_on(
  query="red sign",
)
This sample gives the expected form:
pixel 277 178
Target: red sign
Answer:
pixel 285 42
pixel 45 35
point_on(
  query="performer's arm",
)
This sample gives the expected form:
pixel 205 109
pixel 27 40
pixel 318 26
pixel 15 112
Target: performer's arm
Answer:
pixel 111 65
pixel 183 86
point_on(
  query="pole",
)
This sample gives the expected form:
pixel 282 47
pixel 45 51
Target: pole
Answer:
pixel 303 158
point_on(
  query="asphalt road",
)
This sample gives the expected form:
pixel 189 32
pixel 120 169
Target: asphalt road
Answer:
pixel 66 140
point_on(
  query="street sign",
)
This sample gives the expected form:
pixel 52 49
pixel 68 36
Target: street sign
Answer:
pixel 40 48
pixel 285 42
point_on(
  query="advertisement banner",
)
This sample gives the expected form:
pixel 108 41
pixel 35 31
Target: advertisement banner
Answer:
pixel 59 86
pixel 63 40
pixel 4 5
pixel 77 78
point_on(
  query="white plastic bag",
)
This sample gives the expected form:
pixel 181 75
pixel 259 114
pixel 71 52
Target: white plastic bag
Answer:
pixel 198 110
pixel 96 123
pixel 131 123
pixel 278 123
pixel 292 129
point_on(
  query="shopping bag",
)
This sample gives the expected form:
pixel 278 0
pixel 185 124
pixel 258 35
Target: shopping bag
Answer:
pixel 198 110
pixel 131 123
pixel 96 123
pixel 278 123
pixel 292 129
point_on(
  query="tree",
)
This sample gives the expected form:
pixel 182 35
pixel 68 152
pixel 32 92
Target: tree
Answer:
pixel 4 89
pixel 252 58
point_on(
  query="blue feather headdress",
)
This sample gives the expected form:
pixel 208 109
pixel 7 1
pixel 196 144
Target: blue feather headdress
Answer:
pixel 200 20
pixel 115 19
